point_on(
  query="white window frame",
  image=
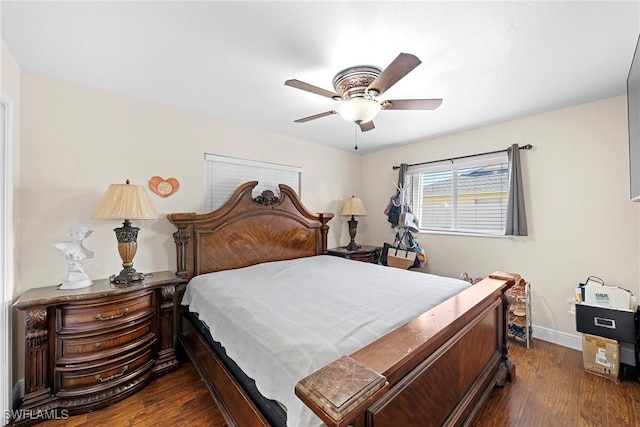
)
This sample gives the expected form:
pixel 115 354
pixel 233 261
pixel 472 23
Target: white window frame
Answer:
pixel 224 174
pixel 414 182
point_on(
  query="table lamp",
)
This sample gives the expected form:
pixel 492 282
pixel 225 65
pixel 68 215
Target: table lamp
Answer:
pixel 353 207
pixel 126 202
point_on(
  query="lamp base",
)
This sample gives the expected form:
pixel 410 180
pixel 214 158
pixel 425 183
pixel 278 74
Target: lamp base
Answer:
pixel 352 246
pixel 127 276
pixel 127 236
pixel 353 229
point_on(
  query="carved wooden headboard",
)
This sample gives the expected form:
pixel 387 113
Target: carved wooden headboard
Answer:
pixel 247 231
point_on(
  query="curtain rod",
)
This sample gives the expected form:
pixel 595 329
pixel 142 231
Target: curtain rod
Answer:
pixel 524 147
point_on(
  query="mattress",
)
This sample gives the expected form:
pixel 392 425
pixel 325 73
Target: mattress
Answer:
pixel 282 321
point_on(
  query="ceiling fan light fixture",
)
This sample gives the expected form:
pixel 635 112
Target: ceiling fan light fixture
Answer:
pixel 359 110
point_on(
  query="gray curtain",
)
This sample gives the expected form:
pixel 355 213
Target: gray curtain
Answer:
pixel 402 173
pixel 516 216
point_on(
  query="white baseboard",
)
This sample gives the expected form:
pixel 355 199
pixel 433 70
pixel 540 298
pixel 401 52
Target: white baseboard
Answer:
pixel 556 337
pixel 627 351
pixel 18 392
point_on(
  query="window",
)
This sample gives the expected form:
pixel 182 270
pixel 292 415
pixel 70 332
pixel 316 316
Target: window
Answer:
pixel 224 174
pixel 467 195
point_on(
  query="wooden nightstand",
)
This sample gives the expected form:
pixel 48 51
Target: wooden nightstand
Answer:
pixel 86 348
pixel 364 253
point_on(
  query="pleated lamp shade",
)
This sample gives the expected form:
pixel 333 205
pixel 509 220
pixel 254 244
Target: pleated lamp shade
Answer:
pixel 353 206
pixel 125 201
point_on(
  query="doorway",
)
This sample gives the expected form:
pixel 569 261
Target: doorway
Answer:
pixel 6 253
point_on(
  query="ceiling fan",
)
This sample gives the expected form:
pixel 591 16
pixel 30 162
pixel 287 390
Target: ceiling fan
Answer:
pixel 358 87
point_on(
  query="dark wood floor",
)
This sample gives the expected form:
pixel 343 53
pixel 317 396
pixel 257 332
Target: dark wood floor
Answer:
pixel 179 398
pixel 551 389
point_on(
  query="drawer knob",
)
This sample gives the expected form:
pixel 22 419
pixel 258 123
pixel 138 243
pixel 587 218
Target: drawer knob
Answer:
pixel 97 345
pixel 115 316
pixel 114 376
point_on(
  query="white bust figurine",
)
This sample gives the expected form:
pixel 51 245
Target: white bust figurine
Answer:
pixel 75 253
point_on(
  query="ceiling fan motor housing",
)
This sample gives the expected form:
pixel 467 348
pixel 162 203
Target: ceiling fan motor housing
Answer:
pixel 352 82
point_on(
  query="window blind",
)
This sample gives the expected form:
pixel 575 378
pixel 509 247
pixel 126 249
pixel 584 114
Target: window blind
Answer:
pixel 224 174
pixel 462 195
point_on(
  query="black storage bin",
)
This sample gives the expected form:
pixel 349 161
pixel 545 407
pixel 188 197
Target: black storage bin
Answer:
pixel 619 325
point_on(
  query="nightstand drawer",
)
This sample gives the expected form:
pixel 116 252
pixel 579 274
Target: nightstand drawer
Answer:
pixel 104 314
pixel 106 373
pixel 368 257
pixel 86 345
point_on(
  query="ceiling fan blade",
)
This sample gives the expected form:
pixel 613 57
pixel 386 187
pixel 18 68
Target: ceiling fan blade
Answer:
pixel 311 88
pixel 367 126
pixel 411 104
pixel 316 116
pixel 400 67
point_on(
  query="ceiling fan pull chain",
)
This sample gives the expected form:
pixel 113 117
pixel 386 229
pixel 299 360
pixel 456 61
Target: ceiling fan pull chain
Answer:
pixel 356 129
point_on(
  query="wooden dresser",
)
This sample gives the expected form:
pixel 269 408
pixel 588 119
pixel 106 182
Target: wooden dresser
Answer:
pixel 87 348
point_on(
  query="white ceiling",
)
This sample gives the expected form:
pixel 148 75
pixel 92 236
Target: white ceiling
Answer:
pixel 489 61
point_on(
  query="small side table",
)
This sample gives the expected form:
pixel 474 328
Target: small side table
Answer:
pixel 363 253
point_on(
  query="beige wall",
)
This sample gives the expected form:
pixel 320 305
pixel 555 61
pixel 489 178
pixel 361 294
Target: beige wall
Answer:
pixel 580 219
pixel 76 140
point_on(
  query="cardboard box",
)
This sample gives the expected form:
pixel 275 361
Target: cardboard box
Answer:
pixel 601 356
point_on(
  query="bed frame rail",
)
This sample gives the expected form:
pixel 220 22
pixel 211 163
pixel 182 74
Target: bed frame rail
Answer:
pixel 236 407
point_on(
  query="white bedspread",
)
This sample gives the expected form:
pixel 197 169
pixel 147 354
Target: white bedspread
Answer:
pixel 283 320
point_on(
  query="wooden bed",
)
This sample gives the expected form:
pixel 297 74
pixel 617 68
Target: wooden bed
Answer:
pixel 436 369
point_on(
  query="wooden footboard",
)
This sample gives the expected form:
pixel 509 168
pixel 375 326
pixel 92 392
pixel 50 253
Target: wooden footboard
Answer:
pixel 439 368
